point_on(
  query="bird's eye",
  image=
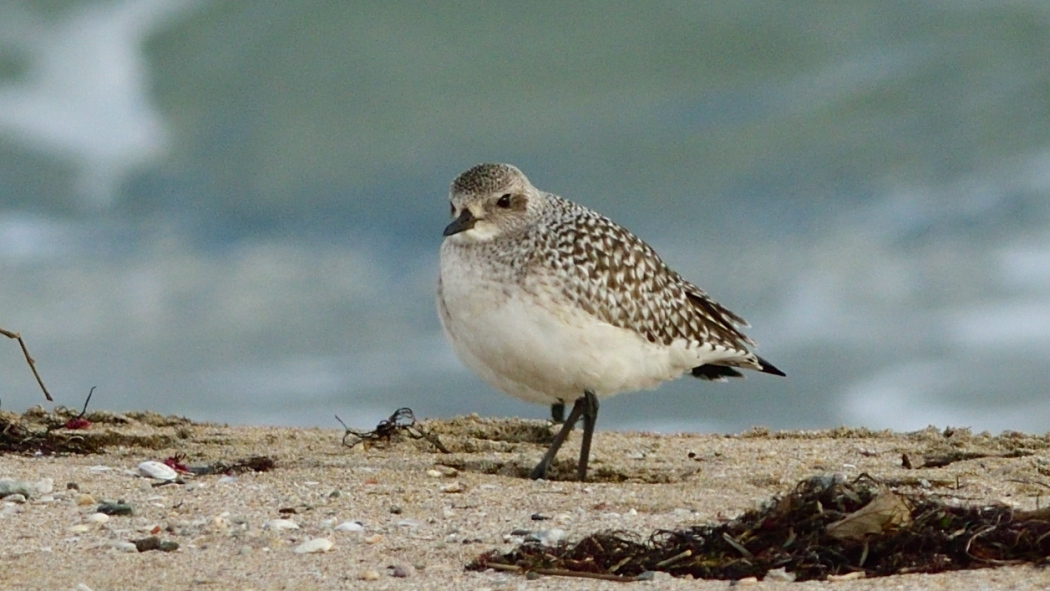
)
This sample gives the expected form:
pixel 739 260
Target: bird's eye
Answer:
pixel 452 210
pixel 504 201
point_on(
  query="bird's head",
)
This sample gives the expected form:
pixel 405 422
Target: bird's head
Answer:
pixel 490 201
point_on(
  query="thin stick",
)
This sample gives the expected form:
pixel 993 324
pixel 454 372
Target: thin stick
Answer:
pixel 84 412
pixel 29 359
pixel 561 572
pixel 739 547
pixel 684 554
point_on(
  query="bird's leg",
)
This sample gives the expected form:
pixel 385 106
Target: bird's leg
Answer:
pixel 558 412
pixel 540 471
pixel 590 416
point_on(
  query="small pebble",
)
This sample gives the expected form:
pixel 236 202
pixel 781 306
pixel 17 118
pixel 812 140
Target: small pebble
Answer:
pixel 115 509
pixel 374 539
pixel 455 487
pixel 80 528
pixel 314 546
pixel 744 581
pixel 442 470
pixel 432 473
pixel 45 486
pixel 403 570
pixel 369 575
pixel 28 490
pixel 779 574
pixel 73 486
pixel 395 510
pixel 350 526
pixel 83 587
pixel 157 470
pixel 155 543
pixel 99 518
pixel 84 499
pixel 16 498
pixel 125 546
pixel 280 524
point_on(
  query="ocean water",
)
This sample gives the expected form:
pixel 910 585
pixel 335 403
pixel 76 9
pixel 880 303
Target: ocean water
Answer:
pixel 231 210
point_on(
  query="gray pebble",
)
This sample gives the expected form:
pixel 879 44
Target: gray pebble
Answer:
pixel 115 508
pixel 10 487
pixel 403 571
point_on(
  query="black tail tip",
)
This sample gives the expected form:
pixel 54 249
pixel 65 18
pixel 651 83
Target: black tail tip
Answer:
pixel 769 368
pixel 715 373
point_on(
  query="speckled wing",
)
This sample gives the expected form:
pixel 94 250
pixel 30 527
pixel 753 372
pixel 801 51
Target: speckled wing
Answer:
pixel 617 277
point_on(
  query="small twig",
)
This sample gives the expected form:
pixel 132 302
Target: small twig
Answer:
pixel 863 554
pixel 976 535
pixel 84 412
pixel 684 554
pixel 616 567
pixel 562 572
pixel 29 360
pixel 739 547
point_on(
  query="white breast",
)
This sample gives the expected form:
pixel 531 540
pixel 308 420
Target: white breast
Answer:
pixel 533 344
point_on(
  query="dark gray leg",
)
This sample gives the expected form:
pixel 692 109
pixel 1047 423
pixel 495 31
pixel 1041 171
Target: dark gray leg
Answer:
pixel 586 406
pixel 590 416
pixel 558 412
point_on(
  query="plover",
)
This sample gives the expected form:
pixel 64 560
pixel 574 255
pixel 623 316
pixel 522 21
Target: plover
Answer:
pixel 552 302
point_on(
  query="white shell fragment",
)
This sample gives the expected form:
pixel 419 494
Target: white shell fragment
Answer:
pixel 455 487
pixel 548 537
pixel 351 526
pixel 157 470
pixel 280 524
pixel 314 546
pixel 124 546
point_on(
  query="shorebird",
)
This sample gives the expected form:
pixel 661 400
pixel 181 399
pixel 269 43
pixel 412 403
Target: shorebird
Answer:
pixel 552 302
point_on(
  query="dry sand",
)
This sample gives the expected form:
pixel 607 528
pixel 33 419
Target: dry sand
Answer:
pixel 433 520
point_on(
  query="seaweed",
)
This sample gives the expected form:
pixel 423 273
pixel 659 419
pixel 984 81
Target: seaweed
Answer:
pixel 825 527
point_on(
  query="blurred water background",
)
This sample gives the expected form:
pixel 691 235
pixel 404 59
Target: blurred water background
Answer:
pixel 231 209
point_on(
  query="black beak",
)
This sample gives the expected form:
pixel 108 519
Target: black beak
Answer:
pixel 465 221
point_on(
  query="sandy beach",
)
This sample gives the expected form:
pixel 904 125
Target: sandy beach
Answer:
pixel 404 515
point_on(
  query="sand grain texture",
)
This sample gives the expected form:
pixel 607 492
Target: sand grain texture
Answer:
pixel 428 513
